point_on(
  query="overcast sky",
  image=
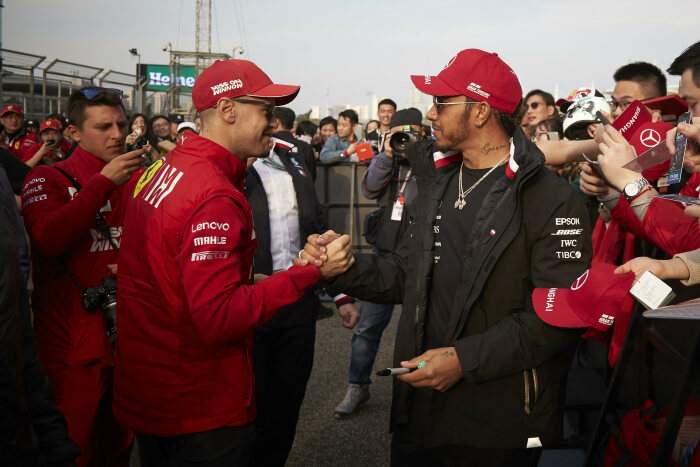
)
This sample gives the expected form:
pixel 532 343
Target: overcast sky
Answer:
pixel 360 47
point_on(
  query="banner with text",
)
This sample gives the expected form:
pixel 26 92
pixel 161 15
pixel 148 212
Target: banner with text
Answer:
pixel 160 77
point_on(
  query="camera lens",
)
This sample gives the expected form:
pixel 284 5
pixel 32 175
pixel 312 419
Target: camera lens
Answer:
pixel 398 142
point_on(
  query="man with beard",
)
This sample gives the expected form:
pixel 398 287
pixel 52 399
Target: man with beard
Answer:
pixel 488 376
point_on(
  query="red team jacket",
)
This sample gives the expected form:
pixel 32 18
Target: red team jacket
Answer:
pixel 22 146
pixel 187 305
pixel 61 223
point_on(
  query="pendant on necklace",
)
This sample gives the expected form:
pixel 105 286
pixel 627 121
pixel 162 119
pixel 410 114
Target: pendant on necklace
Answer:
pixel 460 203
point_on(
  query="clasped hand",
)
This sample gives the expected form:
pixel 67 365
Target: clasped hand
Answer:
pixel 330 252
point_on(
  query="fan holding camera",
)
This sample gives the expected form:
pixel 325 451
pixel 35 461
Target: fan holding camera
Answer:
pixel 53 147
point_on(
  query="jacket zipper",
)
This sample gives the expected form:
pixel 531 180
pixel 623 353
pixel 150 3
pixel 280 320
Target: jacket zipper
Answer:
pixel 531 390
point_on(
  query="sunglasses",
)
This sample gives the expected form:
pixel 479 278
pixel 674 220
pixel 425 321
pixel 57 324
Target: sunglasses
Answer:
pixel 437 103
pixel 533 105
pixel 269 107
pixel 95 93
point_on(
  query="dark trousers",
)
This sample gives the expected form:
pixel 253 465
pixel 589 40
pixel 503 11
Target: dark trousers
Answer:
pixel 283 355
pixel 222 447
pixel 406 452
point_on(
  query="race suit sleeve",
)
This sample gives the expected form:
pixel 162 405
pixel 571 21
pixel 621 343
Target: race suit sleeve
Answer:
pixel 669 228
pixel 54 219
pixel 521 340
pixel 378 176
pixel 217 276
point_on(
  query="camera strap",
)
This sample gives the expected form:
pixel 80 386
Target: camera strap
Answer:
pixel 100 221
pixel 101 225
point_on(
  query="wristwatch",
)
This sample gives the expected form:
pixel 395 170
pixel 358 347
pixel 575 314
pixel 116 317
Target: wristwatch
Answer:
pixel 632 189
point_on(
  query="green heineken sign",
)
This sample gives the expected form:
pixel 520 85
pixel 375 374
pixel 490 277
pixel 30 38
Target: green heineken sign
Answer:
pixel 161 79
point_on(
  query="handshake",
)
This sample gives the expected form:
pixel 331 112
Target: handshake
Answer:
pixel 330 252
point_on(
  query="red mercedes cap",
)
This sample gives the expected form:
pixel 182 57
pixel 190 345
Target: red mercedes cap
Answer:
pixel 476 74
pixel 11 109
pixel 593 300
pixel 50 123
pixel 235 78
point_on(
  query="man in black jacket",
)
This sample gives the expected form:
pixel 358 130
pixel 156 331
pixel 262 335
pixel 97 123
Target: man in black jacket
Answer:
pixel 285 122
pixel 285 211
pixel 492 224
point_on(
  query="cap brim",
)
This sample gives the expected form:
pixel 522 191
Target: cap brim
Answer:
pixel 12 112
pixel 433 85
pixel 560 314
pixel 282 93
pixel 561 101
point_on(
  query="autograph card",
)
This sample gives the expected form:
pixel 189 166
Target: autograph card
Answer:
pixel 674 172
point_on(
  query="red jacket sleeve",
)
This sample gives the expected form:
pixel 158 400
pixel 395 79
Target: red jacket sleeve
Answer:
pixel 217 274
pixel 53 219
pixel 625 216
pixel 670 229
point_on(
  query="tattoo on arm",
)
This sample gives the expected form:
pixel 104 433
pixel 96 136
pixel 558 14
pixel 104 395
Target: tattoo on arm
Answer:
pixel 489 148
pixel 448 353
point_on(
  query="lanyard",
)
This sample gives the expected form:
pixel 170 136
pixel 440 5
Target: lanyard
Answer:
pixel 274 163
pixel 403 185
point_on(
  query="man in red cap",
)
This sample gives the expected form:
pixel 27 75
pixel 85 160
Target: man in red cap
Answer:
pixel 485 380
pixel 52 147
pixel 15 138
pixel 188 301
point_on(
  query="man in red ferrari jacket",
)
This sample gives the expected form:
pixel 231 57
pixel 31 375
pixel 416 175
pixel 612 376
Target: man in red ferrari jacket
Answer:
pixel 71 252
pixel 188 301
pixel 15 138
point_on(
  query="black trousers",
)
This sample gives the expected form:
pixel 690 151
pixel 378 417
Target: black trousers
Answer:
pixel 222 447
pixel 283 355
pixel 406 452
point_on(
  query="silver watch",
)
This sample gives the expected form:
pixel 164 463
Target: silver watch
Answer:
pixel 632 189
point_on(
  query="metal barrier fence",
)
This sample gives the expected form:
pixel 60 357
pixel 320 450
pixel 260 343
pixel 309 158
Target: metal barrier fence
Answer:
pixel 41 87
pixel 338 188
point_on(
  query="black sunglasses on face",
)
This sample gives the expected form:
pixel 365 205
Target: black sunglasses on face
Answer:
pixel 269 106
pixel 533 105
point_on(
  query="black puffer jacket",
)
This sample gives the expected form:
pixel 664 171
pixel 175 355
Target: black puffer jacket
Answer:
pixel 514 364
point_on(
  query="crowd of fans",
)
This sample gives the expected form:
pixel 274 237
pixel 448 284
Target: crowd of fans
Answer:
pixel 76 181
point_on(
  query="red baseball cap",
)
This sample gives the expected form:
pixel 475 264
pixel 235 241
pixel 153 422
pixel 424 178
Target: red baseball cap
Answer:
pixel 235 78
pixel 50 123
pixel 476 74
pixel 593 300
pixel 11 109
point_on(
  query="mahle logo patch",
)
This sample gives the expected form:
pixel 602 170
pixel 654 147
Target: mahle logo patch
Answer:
pixel 147 176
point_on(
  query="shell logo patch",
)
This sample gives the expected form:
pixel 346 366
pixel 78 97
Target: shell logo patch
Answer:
pixel 147 176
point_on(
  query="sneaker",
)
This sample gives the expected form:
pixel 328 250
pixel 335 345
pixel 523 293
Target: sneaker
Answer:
pixel 357 395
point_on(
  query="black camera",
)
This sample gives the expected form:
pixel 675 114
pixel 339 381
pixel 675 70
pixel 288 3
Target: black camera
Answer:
pixel 104 297
pixel 140 142
pixel 401 139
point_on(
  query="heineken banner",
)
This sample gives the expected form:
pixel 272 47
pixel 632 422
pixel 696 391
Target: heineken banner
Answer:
pixel 160 78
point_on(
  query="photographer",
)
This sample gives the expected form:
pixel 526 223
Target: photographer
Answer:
pixel 389 180
pixel 52 147
pixel 73 211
